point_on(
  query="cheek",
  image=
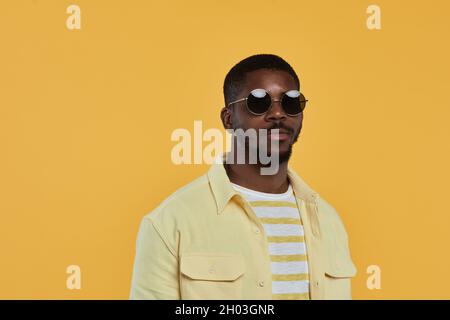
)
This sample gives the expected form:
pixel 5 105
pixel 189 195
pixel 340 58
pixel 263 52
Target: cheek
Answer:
pixel 243 120
pixel 238 123
pixel 299 122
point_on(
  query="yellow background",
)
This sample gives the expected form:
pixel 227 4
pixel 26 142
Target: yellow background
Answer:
pixel 86 118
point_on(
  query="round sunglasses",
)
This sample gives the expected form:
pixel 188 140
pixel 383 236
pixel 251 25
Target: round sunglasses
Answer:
pixel 259 102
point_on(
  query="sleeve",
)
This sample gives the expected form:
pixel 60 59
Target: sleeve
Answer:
pixel 155 271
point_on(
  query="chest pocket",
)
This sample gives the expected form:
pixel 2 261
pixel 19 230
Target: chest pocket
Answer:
pixel 339 269
pixel 338 279
pixel 211 276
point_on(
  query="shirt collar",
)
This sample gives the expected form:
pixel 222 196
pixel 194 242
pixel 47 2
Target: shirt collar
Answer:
pixel 223 191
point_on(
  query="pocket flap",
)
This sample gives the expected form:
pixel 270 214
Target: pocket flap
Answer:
pixel 341 268
pixel 200 266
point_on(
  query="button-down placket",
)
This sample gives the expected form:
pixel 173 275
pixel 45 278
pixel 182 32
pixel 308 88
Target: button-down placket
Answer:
pixel 266 280
pixel 311 228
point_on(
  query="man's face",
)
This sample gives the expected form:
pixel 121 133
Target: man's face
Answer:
pixel 276 83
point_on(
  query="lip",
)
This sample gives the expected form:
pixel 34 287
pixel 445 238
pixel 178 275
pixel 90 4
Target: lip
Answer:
pixel 281 135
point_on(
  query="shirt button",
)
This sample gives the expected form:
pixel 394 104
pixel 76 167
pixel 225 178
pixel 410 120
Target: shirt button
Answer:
pixel 261 283
pixel 211 270
pixel 257 231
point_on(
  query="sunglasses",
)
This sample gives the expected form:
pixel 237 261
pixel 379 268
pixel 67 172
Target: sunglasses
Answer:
pixel 259 102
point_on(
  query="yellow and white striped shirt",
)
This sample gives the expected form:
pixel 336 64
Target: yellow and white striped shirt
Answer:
pixel 281 219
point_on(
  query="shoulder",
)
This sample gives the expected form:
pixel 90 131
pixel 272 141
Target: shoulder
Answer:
pixel 182 202
pixel 174 213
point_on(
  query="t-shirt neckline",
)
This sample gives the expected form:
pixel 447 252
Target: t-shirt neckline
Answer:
pixel 263 194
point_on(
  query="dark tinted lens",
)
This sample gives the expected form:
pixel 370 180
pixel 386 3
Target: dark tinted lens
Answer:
pixel 293 106
pixel 257 103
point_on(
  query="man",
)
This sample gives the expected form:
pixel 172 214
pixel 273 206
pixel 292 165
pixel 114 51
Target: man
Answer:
pixel 236 233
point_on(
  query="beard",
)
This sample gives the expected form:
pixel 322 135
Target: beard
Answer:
pixel 253 149
pixel 285 155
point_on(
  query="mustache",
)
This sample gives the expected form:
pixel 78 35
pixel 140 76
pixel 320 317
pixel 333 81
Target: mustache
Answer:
pixel 281 126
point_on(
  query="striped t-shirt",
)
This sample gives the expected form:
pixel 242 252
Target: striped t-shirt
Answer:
pixel 280 216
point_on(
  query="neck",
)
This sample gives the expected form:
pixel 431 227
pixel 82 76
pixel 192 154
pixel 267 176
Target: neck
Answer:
pixel 249 176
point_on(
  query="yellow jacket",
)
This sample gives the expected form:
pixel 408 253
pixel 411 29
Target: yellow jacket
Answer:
pixel 205 242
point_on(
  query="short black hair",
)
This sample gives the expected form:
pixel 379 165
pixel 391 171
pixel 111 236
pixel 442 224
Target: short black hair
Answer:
pixel 236 76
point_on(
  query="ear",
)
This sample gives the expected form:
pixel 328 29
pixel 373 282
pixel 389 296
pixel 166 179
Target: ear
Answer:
pixel 227 118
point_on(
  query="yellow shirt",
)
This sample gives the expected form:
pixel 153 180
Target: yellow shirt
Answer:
pixel 205 242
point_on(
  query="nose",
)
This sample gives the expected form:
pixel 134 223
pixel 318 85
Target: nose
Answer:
pixel 276 112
